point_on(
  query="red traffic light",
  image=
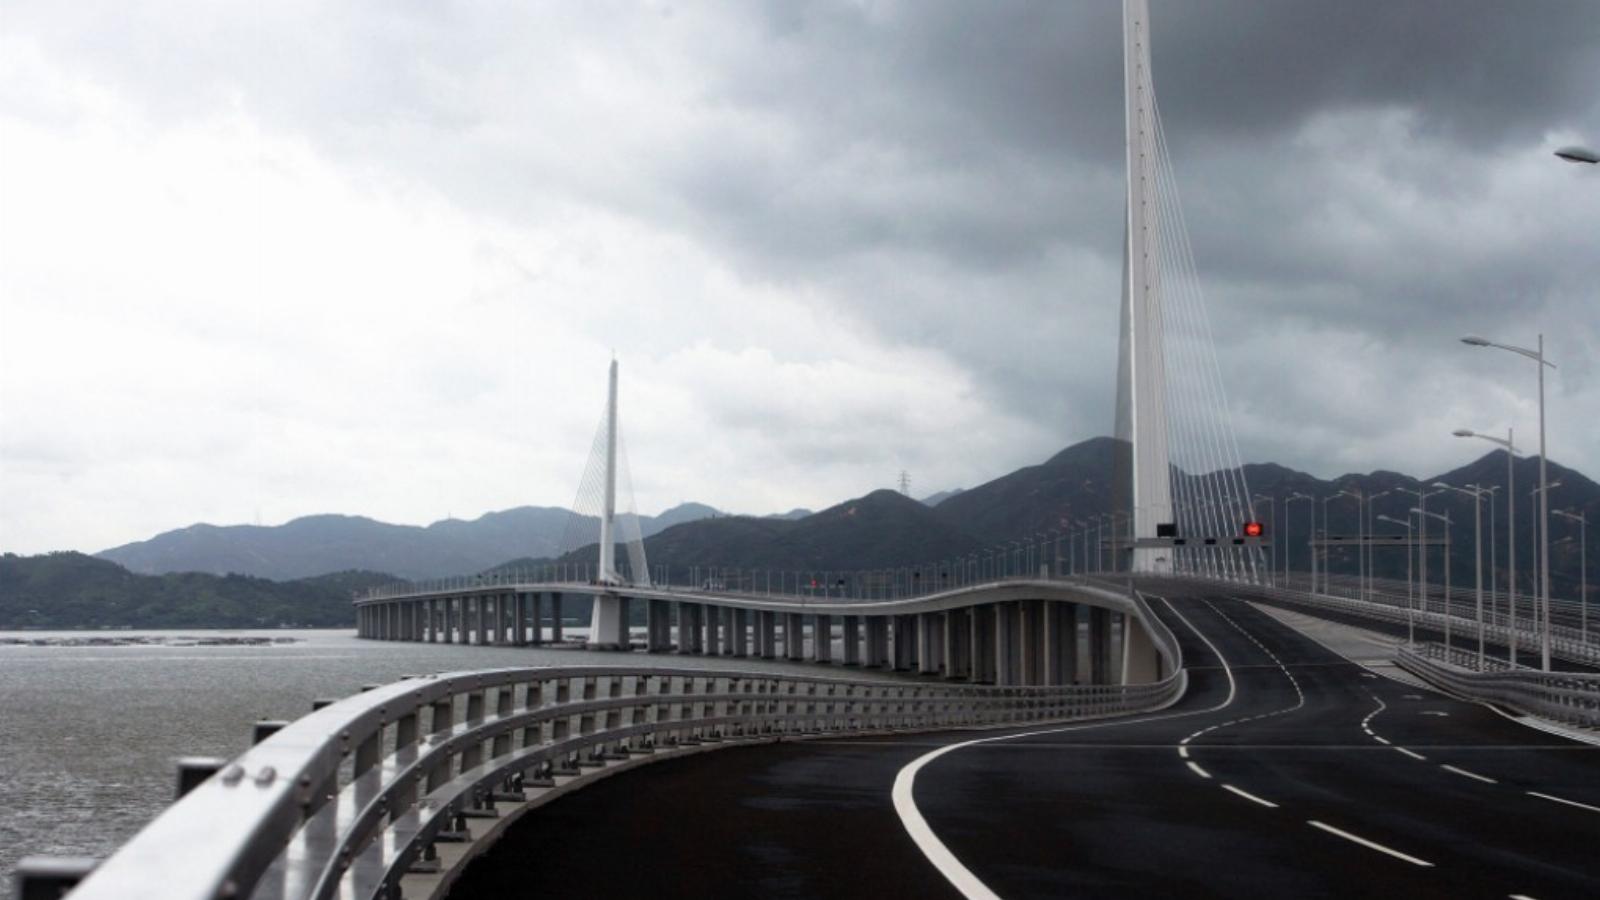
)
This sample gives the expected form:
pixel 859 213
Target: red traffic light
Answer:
pixel 1253 529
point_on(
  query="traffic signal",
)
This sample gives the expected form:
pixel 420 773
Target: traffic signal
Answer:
pixel 1253 529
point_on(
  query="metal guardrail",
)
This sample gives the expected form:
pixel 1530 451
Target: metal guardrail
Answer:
pixel 349 799
pixel 1565 697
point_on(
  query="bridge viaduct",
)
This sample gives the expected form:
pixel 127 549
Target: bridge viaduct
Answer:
pixel 1027 632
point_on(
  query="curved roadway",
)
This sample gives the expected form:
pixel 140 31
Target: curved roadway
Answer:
pixel 1286 771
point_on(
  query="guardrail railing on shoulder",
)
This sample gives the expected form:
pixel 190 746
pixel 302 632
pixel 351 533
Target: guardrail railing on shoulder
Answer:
pixel 363 792
pixel 1566 697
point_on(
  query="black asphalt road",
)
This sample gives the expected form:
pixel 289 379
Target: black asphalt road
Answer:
pixel 1112 809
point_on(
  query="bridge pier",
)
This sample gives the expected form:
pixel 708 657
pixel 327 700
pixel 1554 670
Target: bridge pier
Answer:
pixel 877 642
pixel 954 649
pixel 1006 633
pixel 981 643
pixel 1099 645
pixel 822 638
pixel 1060 643
pixel 794 637
pixel 608 623
pixel 929 636
pixel 713 628
pixel 656 622
pixel 766 640
pixel 1141 663
pixel 555 616
pixel 741 631
pixel 851 640
pixel 1030 641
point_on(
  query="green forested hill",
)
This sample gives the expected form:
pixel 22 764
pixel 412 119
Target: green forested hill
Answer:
pixel 72 590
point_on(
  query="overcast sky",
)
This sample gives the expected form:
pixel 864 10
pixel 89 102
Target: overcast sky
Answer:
pixel 261 260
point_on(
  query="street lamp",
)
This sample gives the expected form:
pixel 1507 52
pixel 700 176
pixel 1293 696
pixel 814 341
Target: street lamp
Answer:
pixel 1537 355
pixel 1310 536
pixel 1446 520
pixel 1582 518
pixel 1422 544
pixel 1578 154
pixel 1542 612
pixel 1411 625
pixel 1476 493
pixel 1510 446
pixel 1366 583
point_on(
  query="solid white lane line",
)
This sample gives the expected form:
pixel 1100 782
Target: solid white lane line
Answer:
pixel 1251 797
pixel 1197 770
pixel 1411 754
pixel 1368 844
pixel 959 876
pixel 1483 778
pixel 1564 800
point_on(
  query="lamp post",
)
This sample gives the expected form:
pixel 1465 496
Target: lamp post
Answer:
pixel 1411 626
pixel 1582 518
pixel 1446 520
pixel 1537 355
pixel 1366 583
pixel 1476 493
pixel 1511 531
pixel 1542 536
pixel 1327 554
pixel 1310 536
pixel 1422 543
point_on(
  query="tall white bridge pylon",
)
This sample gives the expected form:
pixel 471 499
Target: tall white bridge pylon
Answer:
pixel 1179 472
pixel 598 496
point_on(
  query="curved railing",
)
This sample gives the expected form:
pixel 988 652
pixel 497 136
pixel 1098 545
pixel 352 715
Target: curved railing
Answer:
pixel 352 798
pixel 1566 697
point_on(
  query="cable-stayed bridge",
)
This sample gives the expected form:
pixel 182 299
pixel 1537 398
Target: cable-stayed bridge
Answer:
pixel 1176 726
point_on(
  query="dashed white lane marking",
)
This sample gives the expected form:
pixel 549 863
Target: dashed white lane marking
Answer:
pixel 1195 767
pixel 1411 754
pixel 1183 751
pixel 1520 897
pixel 1372 845
pixel 905 805
pixel 1564 800
pixel 1483 778
pixel 1251 797
pixel 1380 739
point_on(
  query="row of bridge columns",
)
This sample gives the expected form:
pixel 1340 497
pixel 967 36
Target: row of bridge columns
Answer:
pixel 1019 642
pixel 1028 642
pixel 513 618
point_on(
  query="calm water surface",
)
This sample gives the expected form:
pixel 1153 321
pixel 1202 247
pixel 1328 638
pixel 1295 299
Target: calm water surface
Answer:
pixel 88 735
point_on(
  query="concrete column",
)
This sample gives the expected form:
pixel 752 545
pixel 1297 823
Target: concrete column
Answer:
pixel 905 643
pixel 794 636
pixel 766 638
pixel 713 629
pixel 950 644
pixel 741 631
pixel 1099 645
pixel 852 640
pixel 1141 664
pixel 652 625
pixel 1060 643
pixel 929 636
pixel 725 623
pixel 1005 643
pixel 982 643
pixel 877 641
pixel 555 616
pixel 822 638
pixel 479 623
pixel 1030 621
pixel 535 630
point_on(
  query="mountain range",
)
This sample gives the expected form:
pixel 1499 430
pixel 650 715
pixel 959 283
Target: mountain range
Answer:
pixel 883 528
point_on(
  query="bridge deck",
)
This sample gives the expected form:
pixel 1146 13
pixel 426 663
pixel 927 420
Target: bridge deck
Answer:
pixel 1412 793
